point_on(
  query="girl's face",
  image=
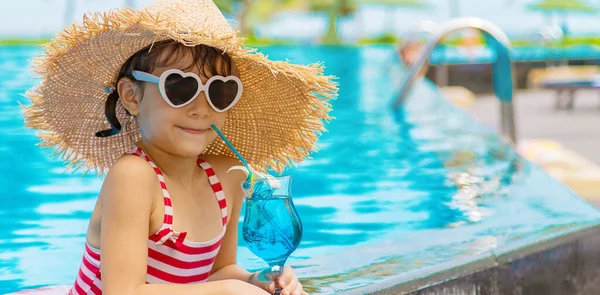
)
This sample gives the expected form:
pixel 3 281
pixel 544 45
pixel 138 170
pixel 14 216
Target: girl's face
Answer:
pixel 184 131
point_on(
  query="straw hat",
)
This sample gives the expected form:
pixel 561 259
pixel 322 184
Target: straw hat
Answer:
pixel 276 122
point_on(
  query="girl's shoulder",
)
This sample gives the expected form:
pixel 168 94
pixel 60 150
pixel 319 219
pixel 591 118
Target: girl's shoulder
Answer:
pixel 131 167
pixel 133 175
pixel 130 183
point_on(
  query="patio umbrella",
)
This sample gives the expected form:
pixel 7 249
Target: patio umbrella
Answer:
pixel 562 7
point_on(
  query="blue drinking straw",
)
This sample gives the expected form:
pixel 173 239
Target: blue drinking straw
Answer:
pixel 234 151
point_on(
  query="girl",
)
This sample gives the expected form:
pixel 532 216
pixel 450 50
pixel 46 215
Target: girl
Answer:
pixel 166 219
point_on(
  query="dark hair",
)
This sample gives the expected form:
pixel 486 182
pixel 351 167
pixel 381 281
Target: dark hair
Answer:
pixel 209 60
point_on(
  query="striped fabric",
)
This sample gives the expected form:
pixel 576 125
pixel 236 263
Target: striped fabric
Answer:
pixel 171 258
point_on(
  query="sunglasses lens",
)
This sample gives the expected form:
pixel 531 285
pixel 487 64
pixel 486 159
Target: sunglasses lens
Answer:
pixel 222 94
pixel 180 90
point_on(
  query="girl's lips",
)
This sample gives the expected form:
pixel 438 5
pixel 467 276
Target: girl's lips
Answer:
pixel 192 131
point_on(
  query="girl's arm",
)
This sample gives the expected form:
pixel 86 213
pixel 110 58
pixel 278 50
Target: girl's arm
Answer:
pixel 127 202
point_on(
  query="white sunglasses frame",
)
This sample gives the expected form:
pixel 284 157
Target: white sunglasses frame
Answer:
pixel 146 77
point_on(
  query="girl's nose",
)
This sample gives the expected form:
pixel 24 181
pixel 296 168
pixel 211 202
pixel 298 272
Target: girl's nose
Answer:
pixel 199 107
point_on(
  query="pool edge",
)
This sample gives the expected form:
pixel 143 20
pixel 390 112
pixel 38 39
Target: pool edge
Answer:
pixel 565 259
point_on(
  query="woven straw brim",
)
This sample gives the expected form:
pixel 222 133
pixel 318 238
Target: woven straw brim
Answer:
pixel 276 122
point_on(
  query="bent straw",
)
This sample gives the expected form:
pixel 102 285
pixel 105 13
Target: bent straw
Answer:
pixel 233 150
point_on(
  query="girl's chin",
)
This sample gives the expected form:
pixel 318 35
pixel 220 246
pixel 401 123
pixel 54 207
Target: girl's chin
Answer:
pixel 183 146
pixel 191 149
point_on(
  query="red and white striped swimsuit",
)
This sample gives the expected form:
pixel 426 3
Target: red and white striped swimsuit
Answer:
pixel 171 258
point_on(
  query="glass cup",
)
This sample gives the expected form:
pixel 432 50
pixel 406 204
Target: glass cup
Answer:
pixel 272 228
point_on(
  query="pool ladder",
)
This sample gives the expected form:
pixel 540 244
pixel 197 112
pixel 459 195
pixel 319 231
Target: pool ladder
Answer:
pixel 502 68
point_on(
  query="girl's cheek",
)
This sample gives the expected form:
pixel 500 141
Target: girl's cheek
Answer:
pixel 151 123
pixel 220 118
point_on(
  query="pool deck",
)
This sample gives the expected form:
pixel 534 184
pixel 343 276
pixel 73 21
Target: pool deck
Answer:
pixel 574 133
pixel 566 263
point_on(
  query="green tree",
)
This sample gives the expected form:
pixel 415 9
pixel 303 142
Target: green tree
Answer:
pixel 340 8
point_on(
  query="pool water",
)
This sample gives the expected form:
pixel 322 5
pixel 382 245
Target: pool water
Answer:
pixel 387 192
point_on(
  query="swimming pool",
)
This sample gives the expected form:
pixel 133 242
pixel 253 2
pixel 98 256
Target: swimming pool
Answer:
pixel 387 192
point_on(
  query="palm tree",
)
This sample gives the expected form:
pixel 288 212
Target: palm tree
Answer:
pixel 333 9
pixel 337 8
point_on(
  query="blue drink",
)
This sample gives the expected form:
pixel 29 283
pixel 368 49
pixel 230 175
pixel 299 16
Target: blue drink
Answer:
pixel 272 228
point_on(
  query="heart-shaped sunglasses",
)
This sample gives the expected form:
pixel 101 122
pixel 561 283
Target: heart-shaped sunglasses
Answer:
pixel 179 89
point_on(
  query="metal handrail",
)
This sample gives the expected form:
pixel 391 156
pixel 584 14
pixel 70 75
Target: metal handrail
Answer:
pixel 502 68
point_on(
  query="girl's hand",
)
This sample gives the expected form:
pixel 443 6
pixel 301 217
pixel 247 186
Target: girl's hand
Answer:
pixel 288 281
